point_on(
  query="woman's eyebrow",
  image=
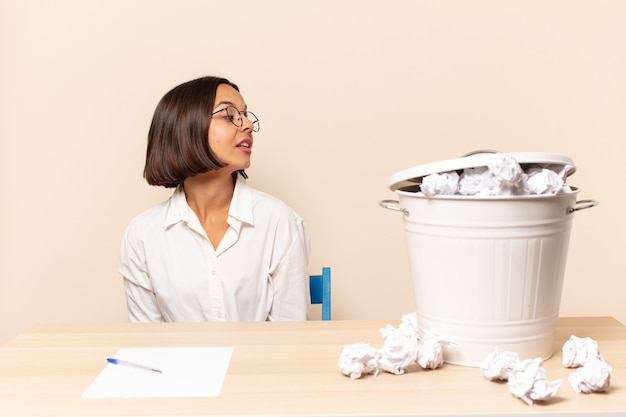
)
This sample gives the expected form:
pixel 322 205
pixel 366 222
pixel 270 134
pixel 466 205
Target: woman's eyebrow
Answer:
pixel 229 103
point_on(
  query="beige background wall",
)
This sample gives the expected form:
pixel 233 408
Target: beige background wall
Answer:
pixel 349 92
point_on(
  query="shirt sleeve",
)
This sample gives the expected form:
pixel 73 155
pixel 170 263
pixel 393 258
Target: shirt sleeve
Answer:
pixel 140 298
pixel 290 277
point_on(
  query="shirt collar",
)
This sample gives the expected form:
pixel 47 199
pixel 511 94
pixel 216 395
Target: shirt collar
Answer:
pixel 177 209
pixel 240 206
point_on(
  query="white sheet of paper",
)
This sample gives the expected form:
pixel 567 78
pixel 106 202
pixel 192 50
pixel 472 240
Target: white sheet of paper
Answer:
pixel 187 372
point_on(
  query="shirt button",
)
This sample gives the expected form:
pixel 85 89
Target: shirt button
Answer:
pixel 218 315
pixel 214 272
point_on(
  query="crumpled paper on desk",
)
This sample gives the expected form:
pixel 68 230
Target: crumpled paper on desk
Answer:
pixel 430 352
pixel 409 323
pixel 358 359
pixel 578 349
pixel 502 177
pixel 399 349
pixel 593 373
pixel 527 381
pixel 498 364
pixel 593 376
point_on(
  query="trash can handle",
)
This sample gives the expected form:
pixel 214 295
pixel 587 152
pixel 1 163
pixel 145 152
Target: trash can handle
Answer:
pixel 582 205
pixel 476 152
pixel 393 205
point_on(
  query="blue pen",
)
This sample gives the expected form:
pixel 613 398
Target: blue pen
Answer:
pixel 115 361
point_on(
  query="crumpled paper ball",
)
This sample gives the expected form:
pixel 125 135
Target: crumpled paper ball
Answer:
pixel 409 324
pixel 593 376
pixel 498 364
pixel 476 181
pixel 430 352
pixel 593 373
pixel 527 381
pixel 543 181
pixel 358 359
pixel 399 349
pixel 503 176
pixel 440 184
pixel 577 350
pixel 507 174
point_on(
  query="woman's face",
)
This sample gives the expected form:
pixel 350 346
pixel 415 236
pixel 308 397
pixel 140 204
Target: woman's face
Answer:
pixel 231 144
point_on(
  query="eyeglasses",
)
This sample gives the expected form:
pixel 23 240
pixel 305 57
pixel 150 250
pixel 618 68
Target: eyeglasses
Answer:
pixel 236 117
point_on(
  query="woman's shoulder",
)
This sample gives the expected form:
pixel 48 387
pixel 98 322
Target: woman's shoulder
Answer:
pixel 149 219
pixel 276 211
pixel 266 198
pixel 266 201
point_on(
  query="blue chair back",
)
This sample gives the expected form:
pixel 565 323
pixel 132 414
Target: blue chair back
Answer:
pixel 320 291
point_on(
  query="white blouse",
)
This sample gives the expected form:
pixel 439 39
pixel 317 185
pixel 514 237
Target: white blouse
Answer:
pixel 258 272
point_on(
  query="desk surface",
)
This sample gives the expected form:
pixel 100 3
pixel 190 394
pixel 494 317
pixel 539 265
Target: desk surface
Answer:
pixel 283 368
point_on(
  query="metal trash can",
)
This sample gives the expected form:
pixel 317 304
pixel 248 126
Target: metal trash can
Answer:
pixel 487 271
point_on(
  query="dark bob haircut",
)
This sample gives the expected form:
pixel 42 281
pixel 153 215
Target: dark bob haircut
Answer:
pixel 178 145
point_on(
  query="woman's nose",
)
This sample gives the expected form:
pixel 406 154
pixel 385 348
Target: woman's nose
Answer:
pixel 246 123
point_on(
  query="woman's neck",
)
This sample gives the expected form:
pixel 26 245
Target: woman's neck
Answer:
pixel 210 192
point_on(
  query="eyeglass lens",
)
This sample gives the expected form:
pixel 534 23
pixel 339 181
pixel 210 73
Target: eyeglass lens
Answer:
pixel 236 117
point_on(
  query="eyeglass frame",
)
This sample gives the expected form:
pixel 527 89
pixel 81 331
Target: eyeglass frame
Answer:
pixel 256 124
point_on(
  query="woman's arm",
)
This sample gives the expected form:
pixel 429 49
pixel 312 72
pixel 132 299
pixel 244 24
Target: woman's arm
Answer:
pixel 290 279
pixel 141 303
pixel 140 298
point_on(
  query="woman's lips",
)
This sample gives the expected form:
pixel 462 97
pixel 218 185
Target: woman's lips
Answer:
pixel 245 145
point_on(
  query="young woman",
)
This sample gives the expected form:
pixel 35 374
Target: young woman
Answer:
pixel 217 249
